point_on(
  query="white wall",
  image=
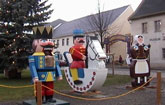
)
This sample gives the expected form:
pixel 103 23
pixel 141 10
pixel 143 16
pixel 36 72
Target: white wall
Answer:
pixel 66 47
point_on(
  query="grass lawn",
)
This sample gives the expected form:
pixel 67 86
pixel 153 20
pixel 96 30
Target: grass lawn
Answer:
pixel 8 94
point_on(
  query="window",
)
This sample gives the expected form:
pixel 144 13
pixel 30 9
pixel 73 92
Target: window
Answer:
pixel 163 35
pixel 163 53
pixel 54 41
pixel 63 42
pixel 144 27
pixel 67 41
pixel 57 43
pixel 157 26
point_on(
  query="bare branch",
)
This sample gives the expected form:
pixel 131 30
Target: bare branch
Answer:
pixel 101 23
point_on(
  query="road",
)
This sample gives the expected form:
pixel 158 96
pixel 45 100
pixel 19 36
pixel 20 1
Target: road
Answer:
pixel 125 71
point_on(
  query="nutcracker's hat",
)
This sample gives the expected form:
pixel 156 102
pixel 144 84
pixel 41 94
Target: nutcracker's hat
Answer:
pixel 78 33
pixel 42 32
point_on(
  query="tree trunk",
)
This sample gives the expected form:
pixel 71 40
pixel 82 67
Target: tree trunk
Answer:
pixel 12 74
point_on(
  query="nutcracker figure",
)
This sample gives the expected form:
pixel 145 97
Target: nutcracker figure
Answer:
pixel 43 62
pixel 140 66
pixel 78 55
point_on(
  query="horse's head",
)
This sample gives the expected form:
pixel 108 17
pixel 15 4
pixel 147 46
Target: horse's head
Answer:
pixel 95 50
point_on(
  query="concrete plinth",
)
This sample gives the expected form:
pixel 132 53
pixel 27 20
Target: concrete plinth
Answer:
pixel 58 102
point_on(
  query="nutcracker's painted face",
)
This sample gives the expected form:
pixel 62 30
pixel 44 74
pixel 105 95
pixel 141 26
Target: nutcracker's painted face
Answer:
pixel 43 45
pixel 79 41
pixel 47 45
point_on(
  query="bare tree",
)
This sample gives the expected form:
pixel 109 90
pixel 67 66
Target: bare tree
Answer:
pixel 100 23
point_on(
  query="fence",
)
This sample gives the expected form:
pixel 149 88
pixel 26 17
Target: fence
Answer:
pixel 39 91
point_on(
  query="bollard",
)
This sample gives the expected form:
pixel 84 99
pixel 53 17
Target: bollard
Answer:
pixel 39 93
pixel 113 63
pixel 159 88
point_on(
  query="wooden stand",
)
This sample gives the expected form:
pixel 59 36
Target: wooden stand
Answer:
pixel 58 102
pixel 39 98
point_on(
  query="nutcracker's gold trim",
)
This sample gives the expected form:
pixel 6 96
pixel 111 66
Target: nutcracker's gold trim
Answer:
pixel 49 77
pixel 38 53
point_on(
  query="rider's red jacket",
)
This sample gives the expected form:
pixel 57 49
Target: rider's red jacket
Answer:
pixel 77 52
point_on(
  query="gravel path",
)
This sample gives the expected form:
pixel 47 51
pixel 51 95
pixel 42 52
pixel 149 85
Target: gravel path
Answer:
pixel 146 96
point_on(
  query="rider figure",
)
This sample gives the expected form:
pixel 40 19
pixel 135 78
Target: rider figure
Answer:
pixel 78 52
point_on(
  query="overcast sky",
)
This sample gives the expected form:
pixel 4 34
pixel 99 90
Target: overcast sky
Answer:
pixel 72 9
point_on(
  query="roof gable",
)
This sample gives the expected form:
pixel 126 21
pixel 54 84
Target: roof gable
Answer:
pixel 56 23
pixel 67 28
pixel 149 8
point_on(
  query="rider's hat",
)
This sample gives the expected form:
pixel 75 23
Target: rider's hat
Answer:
pixel 78 33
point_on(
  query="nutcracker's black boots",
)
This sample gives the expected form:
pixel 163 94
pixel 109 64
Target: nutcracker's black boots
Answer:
pixel 77 82
pixel 50 99
pixel 43 101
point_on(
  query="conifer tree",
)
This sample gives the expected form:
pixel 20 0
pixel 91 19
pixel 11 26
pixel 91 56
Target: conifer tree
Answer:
pixel 17 17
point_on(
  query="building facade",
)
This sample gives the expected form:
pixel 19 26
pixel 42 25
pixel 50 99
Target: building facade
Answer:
pixel 149 20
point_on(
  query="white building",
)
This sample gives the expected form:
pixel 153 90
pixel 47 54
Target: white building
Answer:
pixel 149 20
pixel 114 18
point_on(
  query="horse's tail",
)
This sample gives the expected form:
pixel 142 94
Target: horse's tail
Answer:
pixel 87 43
